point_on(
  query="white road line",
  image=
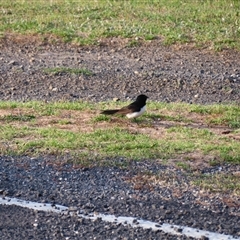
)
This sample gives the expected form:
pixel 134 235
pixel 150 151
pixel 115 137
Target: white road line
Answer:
pixel 46 207
pixel 134 222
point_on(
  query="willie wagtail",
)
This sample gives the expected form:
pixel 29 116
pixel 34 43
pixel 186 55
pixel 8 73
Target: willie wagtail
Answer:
pixel 133 110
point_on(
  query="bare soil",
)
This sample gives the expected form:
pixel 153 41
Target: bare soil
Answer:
pixel 164 73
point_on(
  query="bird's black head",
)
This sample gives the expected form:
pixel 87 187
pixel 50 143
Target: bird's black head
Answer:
pixel 142 98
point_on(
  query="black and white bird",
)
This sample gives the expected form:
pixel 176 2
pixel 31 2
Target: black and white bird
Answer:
pixel 133 110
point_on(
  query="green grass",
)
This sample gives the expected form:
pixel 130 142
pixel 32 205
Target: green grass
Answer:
pixel 215 114
pixel 114 142
pixel 220 114
pixel 219 182
pixel 223 148
pixel 48 109
pixel 101 118
pixel 106 143
pixel 183 165
pixel 11 118
pixel 180 136
pixel 212 23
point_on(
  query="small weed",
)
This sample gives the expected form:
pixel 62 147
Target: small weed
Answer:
pixel 150 37
pixel 176 118
pixel 8 105
pixel 101 118
pixel 214 162
pixel 9 133
pixel 22 118
pixel 201 110
pixel 154 116
pixel 133 43
pixel 234 123
pixel 64 122
pixel 230 158
pixel 183 165
pixel 220 182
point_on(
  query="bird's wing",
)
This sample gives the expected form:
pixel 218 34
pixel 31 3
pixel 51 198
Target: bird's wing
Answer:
pixel 133 107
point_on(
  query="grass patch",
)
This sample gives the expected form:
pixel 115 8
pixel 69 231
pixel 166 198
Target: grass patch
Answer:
pixel 106 143
pixel 220 182
pixel 220 114
pixel 214 114
pixel 64 122
pixel 11 118
pixel 183 165
pixel 47 109
pixel 101 118
pixel 211 23
pixel 164 132
pixel 176 118
pixel 61 70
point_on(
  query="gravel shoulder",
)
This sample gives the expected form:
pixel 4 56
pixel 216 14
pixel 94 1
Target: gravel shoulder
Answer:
pixel 107 190
pixel 164 74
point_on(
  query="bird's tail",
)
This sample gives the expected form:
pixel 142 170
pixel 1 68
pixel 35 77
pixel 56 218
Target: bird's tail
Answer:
pixel 110 112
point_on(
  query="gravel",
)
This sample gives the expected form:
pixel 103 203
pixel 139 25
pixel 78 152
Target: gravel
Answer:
pixel 163 73
pixel 105 190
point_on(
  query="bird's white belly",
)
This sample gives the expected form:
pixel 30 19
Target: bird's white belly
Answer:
pixel 136 114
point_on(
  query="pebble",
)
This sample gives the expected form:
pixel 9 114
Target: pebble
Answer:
pixel 174 79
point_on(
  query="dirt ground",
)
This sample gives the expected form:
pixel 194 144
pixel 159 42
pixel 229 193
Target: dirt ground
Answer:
pixel 164 73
